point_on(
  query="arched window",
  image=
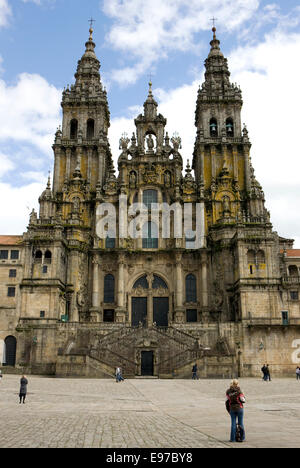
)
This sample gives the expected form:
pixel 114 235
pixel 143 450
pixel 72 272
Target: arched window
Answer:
pixel 90 130
pixel 10 347
pixel 251 257
pixel 149 197
pixel 73 129
pixel 48 257
pixel 229 127
pixel 191 288
pixel 293 270
pixel 261 257
pixel 38 257
pixel 141 283
pixel 213 127
pixel 158 283
pixel 109 289
pixel 150 236
pixel 110 243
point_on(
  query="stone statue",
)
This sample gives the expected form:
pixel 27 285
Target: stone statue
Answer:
pixel 132 180
pixel 33 217
pixel 150 143
pixel 167 179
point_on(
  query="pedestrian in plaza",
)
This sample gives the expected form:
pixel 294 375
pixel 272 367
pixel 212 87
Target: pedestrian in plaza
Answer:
pixel 119 377
pixel 298 373
pixel 195 372
pixel 118 370
pixel 23 389
pixel 235 400
pixel 264 371
pixel 1 375
pixel 268 373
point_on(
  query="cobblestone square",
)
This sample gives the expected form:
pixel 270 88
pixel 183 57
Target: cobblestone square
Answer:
pixel 145 413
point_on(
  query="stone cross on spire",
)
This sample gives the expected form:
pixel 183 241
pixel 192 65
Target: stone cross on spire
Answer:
pixel 91 21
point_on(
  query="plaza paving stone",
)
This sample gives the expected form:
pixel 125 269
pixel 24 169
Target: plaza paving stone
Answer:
pixel 145 413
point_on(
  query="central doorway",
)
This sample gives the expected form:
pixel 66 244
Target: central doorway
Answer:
pixel 150 302
pixel 147 363
pixel 139 311
pixel 161 311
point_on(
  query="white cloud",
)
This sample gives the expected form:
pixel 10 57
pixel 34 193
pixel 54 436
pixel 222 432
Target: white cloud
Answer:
pixel 6 164
pixel 29 116
pixel 19 202
pixel 149 31
pixel 29 111
pixel 5 13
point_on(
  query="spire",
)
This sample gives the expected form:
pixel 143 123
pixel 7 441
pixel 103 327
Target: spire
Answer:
pixel 150 104
pixel 215 45
pixel 89 65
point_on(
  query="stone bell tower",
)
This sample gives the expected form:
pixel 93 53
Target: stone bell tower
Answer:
pixel 82 145
pixel 237 223
pixel 222 151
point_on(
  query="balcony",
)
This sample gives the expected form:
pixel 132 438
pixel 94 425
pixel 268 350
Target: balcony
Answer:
pixel 273 322
pixel 291 280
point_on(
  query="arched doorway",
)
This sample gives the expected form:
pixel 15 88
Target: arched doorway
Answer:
pixel 10 348
pixel 147 363
pixel 150 302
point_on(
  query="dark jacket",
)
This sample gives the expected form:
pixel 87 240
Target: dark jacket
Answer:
pixel 23 388
pixel 234 396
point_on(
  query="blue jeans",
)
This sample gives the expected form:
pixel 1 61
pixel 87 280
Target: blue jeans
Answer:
pixel 236 415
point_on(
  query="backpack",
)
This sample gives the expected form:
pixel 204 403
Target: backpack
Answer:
pixel 234 398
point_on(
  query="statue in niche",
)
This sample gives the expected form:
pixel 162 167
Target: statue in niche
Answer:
pixel 150 143
pixel 226 206
pixel 132 180
pixel 76 205
pixel 167 179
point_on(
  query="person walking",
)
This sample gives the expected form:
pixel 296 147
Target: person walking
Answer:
pixel 118 372
pixel 194 372
pixel 235 400
pixel 298 373
pixel 23 389
pixel 268 375
pixel 264 371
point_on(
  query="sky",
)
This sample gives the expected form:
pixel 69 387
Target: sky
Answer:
pixel 42 40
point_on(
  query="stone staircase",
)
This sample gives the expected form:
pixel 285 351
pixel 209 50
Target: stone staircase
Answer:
pixel 99 354
pixel 121 347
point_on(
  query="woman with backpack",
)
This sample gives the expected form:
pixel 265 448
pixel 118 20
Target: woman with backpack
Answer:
pixel 234 404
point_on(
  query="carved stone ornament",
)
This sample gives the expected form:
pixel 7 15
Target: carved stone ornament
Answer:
pixel 150 175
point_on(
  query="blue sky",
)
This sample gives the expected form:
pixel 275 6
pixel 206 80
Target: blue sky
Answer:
pixel 42 40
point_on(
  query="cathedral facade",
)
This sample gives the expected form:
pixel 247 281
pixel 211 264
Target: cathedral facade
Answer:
pixel 159 266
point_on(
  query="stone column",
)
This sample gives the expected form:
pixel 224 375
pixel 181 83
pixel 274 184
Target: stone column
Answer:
pixel 179 285
pixel 150 279
pixel 56 175
pixel 121 282
pixel 179 309
pixel 120 311
pixel 68 163
pixel 95 295
pixel 213 162
pixel 247 167
pixel 89 166
pixel 150 308
pixel 204 279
